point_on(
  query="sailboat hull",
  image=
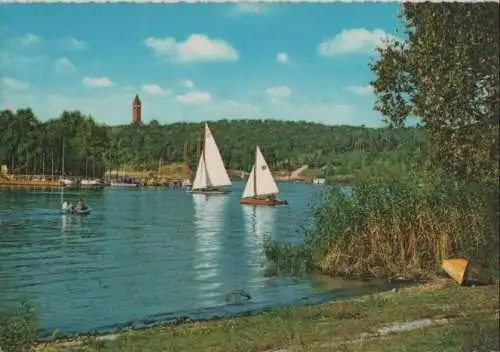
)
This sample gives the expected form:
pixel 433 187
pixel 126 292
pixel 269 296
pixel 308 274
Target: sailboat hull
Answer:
pixel 76 212
pixel 214 192
pixel 261 201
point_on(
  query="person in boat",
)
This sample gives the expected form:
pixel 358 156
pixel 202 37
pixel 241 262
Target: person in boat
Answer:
pixel 80 205
pixel 68 206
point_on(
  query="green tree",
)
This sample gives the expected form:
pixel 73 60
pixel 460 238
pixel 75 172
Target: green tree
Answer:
pixel 446 72
pixel 32 147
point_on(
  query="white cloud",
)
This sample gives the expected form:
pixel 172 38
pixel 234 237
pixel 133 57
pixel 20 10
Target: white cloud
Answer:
pixel 282 58
pixel 63 64
pixel 195 98
pixel 197 48
pixel 113 106
pixel 276 94
pixel 154 89
pixel 71 43
pixel 247 8
pixel 186 83
pixel 361 90
pixel 14 84
pixel 97 82
pixel 235 109
pixel 251 8
pixel 10 60
pixel 30 38
pixel 357 40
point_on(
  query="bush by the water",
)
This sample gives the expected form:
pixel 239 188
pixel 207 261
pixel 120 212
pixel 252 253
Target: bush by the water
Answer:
pixel 398 228
pixel 18 328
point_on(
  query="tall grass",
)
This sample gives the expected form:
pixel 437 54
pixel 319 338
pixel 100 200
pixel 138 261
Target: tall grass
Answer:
pixel 397 228
pixel 18 328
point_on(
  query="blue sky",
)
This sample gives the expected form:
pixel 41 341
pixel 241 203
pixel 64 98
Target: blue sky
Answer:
pixel 194 62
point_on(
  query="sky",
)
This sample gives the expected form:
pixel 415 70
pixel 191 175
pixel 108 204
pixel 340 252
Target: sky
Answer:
pixel 194 62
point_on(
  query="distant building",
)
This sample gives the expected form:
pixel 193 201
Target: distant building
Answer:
pixel 136 111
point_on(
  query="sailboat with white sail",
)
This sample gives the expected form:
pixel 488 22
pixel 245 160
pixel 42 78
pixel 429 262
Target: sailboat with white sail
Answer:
pixel 211 175
pixel 261 188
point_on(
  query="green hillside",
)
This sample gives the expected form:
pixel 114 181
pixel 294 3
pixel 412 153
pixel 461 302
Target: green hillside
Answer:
pixel 336 150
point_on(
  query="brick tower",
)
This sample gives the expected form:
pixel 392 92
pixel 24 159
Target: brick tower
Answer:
pixel 136 111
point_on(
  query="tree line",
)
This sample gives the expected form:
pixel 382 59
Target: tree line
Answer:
pixel 30 146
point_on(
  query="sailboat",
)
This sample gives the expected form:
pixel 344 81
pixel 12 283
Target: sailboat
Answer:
pixel 64 181
pixel 261 189
pixel 88 182
pixel 211 175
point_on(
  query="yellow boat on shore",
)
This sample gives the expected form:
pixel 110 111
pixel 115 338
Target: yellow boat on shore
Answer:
pixel 464 272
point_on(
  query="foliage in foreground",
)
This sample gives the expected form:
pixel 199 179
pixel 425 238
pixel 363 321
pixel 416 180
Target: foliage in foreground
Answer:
pixel 18 328
pixel 446 71
pixel 397 228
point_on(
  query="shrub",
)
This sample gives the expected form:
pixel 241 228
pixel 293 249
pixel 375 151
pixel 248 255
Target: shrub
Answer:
pixel 398 228
pixel 18 328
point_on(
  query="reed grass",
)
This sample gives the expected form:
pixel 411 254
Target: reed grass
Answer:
pixel 400 228
pixel 18 327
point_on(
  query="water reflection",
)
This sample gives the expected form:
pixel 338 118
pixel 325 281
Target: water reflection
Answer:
pixel 72 224
pixel 209 221
pixel 143 253
pixel 260 224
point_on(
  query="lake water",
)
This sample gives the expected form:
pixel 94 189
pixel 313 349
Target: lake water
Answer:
pixel 145 254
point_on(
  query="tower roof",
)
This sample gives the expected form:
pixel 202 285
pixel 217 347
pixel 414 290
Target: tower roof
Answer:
pixel 137 100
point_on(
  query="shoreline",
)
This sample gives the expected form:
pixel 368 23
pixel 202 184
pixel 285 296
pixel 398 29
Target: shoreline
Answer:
pixel 354 319
pixel 330 295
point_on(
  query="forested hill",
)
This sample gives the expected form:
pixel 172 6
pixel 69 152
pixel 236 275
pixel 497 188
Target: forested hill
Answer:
pixel 287 145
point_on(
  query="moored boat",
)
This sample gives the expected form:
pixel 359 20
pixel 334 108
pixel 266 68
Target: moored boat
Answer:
pixel 66 182
pixel 89 183
pixel 187 184
pixel 261 188
pixel 125 182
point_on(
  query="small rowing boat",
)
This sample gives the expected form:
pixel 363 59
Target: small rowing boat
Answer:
pixel 67 209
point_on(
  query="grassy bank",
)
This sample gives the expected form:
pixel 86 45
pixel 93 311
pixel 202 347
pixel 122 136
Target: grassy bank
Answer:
pixel 395 228
pixel 336 326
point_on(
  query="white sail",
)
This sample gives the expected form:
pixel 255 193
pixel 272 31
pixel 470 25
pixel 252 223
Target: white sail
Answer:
pixel 201 178
pixel 211 171
pixel 216 170
pixel 261 181
pixel 249 187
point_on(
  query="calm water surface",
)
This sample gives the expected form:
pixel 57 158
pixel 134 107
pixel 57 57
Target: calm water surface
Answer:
pixel 144 254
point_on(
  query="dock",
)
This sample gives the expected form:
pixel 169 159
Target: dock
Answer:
pixel 28 181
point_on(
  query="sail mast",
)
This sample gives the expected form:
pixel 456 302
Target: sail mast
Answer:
pixel 62 166
pixel 204 154
pixel 255 173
